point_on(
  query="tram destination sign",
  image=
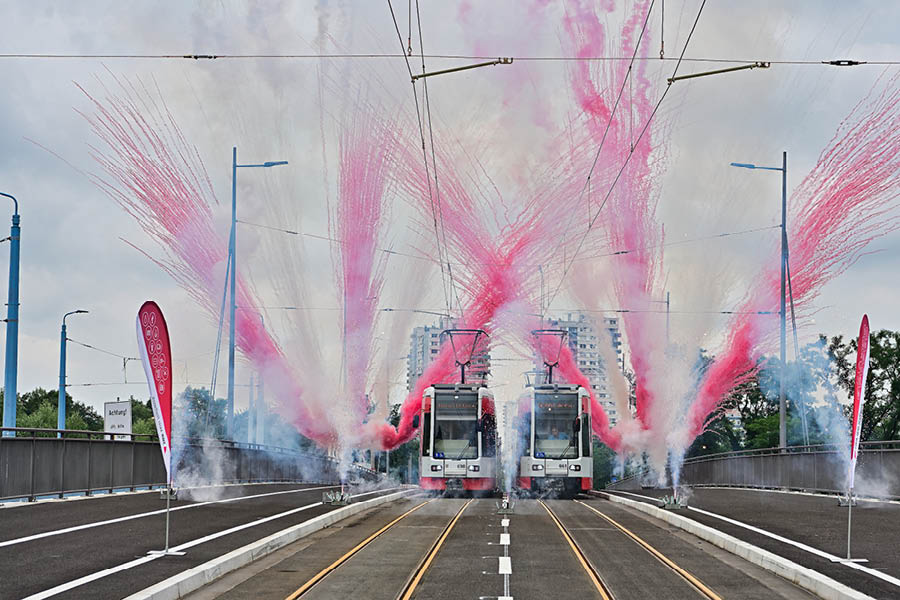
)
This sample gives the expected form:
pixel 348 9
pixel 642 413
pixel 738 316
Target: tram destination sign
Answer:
pixel 557 402
pixel 456 406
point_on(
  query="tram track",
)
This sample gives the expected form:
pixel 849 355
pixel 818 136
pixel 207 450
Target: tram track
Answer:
pixel 698 585
pixel 415 577
pixel 603 588
pixel 589 568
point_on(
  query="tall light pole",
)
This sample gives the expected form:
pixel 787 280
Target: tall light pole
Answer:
pixel 12 323
pixel 61 408
pixel 666 302
pixel 782 312
pixel 254 426
pixel 232 253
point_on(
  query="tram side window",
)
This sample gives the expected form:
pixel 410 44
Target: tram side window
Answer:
pixel 585 434
pixel 488 436
pixel 426 434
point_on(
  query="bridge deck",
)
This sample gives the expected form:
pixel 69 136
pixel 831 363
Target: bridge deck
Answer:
pixel 468 565
pixel 39 553
pixel 813 520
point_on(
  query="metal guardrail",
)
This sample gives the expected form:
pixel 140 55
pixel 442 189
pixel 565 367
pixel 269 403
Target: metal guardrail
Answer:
pixel 819 468
pixel 36 463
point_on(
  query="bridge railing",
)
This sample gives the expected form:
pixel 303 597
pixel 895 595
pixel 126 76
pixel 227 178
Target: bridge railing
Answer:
pixel 35 462
pixel 819 468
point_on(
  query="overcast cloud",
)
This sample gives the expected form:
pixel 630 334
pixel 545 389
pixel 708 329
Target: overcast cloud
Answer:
pixel 73 256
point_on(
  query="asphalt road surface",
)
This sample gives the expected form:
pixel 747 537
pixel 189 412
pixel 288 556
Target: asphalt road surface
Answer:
pixel 812 520
pixel 62 549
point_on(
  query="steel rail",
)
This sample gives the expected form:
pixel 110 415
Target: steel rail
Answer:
pixel 350 554
pixel 589 568
pixel 419 572
pixel 693 581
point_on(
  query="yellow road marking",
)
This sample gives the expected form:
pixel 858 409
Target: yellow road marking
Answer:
pixel 699 585
pixel 579 554
pixel 321 574
pixel 412 586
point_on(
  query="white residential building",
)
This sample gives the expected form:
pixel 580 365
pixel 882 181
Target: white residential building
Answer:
pixel 584 338
pixel 424 345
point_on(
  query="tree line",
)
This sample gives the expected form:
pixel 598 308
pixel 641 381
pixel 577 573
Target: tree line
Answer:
pixel 819 390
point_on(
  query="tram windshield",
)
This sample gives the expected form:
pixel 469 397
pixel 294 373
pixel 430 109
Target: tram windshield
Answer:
pixel 455 435
pixel 554 414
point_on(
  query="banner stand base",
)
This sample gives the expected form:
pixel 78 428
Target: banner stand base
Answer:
pixel 165 553
pixel 849 560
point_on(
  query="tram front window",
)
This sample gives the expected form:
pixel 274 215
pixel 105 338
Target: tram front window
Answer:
pixel 554 414
pixel 455 434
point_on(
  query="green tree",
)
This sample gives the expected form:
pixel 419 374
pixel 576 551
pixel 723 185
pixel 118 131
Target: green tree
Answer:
pixel 604 465
pixel 881 411
pixel 142 421
pixel 719 436
pixel 199 415
pixel 32 412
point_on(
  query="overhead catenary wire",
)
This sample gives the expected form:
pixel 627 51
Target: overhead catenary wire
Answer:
pixel 702 238
pixel 631 153
pixel 609 121
pixel 122 356
pixel 388 55
pixel 424 150
pixel 453 291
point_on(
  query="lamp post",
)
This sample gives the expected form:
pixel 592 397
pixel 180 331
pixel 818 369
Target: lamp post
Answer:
pixel 782 400
pixel 254 425
pixel 666 302
pixel 232 253
pixel 61 408
pixel 12 323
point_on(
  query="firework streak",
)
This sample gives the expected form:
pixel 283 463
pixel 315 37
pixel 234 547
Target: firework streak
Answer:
pixel 366 150
pixel 840 206
pixel 159 179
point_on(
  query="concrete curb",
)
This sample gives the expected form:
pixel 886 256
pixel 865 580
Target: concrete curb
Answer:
pixel 188 581
pixel 813 581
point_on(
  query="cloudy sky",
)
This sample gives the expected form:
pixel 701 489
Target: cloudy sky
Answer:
pixel 74 256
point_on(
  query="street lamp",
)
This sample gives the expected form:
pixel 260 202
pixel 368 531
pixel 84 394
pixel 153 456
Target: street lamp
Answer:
pixel 256 427
pixel 232 253
pixel 12 323
pixel 61 409
pixel 782 401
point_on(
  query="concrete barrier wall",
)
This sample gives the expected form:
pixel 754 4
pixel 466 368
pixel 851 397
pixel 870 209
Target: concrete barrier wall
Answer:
pixel 820 470
pixel 31 467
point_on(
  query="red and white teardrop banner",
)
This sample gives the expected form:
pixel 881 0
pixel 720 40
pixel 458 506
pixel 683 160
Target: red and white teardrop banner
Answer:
pixel 156 355
pixel 859 392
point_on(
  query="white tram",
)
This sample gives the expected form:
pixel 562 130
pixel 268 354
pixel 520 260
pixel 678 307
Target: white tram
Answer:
pixel 554 423
pixel 458 438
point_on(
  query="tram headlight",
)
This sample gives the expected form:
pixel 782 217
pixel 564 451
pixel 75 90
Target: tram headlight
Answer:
pixel 537 467
pixel 474 468
pixel 436 467
pixel 575 467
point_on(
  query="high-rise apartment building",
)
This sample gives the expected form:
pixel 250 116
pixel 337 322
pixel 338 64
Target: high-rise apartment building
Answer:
pixel 425 343
pixel 584 338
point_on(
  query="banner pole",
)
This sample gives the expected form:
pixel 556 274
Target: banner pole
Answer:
pixel 849 518
pixel 168 500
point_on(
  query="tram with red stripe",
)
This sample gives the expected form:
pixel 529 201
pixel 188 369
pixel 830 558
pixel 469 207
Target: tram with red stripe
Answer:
pixel 555 437
pixel 458 433
pixel 458 439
